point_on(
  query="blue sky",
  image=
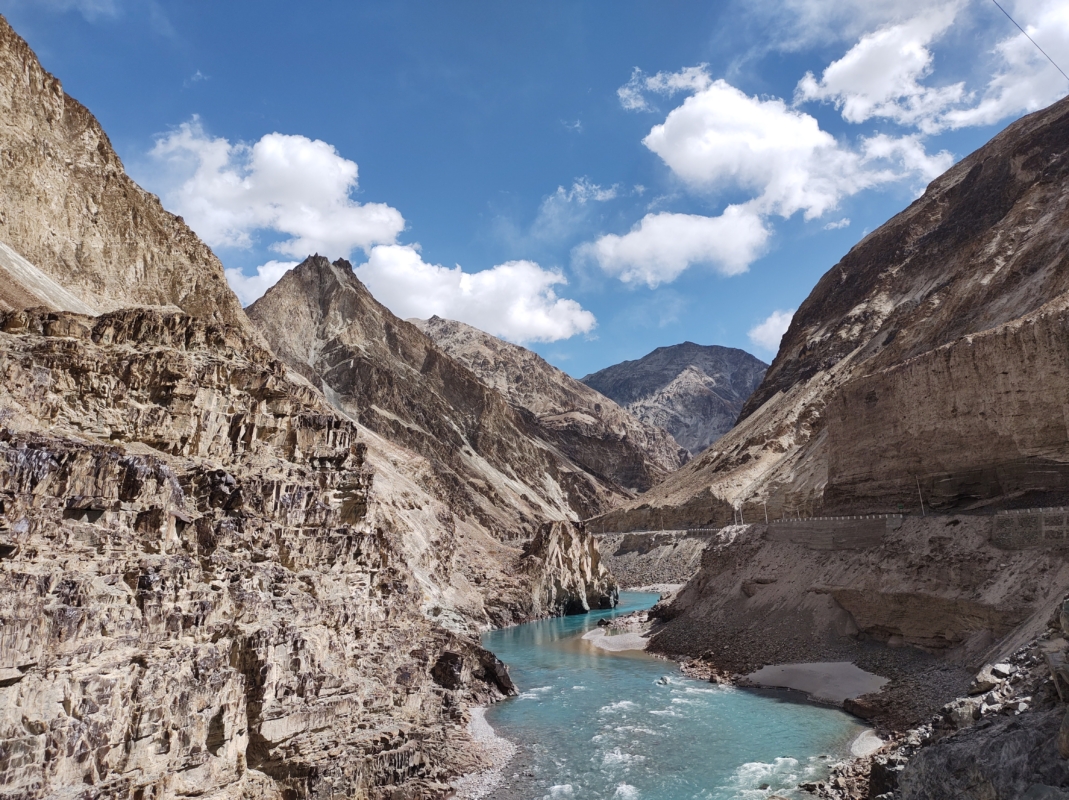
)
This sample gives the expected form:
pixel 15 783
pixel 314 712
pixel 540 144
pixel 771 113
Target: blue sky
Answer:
pixel 610 177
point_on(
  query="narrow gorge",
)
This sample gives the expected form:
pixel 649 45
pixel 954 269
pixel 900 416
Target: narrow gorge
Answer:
pixel 305 547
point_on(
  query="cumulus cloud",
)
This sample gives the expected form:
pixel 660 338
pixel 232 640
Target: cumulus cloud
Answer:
pixel 661 246
pixel 883 74
pixel 514 301
pixel 880 75
pixel 290 185
pixel 767 334
pixel 838 224
pixel 721 139
pixel 1024 79
pixel 250 288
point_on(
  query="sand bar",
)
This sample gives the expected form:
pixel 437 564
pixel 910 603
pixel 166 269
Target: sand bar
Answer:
pixel 829 682
pixel 618 643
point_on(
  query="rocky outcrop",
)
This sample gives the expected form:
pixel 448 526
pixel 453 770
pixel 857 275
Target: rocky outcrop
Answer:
pixel 918 600
pixel 693 391
pixel 589 427
pixel 390 376
pixel 646 559
pixel 68 207
pixel 207 588
pixel 568 576
pixel 921 358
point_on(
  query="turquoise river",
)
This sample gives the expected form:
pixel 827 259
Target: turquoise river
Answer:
pixel 593 724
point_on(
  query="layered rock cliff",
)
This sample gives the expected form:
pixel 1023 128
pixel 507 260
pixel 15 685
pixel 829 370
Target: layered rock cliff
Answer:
pixel 693 391
pixel 206 591
pixel 68 207
pixel 589 427
pixel 569 575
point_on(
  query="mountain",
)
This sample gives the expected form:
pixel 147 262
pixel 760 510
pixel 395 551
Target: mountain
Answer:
pixel 69 209
pixel 927 362
pixel 594 431
pixel 693 391
pixel 386 373
pixel 215 580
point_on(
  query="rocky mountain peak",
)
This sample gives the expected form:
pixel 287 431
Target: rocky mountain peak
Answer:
pixel 693 391
pixel 386 373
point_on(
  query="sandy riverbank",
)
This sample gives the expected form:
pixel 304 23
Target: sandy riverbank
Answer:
pixel 498 750
pixel 617 643
pixel 828 682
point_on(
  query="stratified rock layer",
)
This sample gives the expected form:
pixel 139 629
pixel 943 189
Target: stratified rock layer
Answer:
pixel 570 577
pixel 214 584
pixel 693 391
pixel 68 207
pixel 589 427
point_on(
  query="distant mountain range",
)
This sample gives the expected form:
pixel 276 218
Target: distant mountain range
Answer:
pixel 693 391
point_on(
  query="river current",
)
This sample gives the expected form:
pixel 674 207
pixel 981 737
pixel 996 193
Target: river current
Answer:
pixel 593 724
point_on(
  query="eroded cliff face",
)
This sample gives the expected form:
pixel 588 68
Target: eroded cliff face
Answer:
pixel 493 458
pixel 569 576
pixel 589 427
pixel 922 357
pixel 68 207
pixel 204 592
pixel 214 584
pixel 693 391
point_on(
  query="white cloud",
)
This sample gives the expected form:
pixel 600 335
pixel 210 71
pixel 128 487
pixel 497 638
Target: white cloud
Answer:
pixel 720 138
pixel 661 246
pixel 515 300
pixel 632 94
pixel 909 153
pixel 282 184
pixel 879 76
pixel 1024 79
pixel 767 335
pixel 796 24
pixel 250 288
pixel 838 224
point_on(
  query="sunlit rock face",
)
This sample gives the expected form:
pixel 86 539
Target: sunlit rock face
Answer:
pixel 68 207
pixel 496 460
pixel 592 429
pixel 693 391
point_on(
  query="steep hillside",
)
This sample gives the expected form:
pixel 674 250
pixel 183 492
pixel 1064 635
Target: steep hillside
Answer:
pixel 594 431
pixel 390 376
pixel 68 207
pixel 693 391
pixel 928 360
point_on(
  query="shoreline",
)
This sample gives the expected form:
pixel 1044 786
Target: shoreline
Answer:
pixel 498 750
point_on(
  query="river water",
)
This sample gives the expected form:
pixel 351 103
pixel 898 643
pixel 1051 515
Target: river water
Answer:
pixel 593 724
